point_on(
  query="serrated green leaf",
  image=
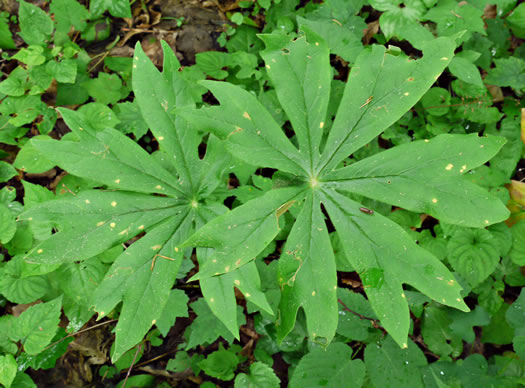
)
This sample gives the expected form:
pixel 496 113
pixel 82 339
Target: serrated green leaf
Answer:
pixel 64 71
pixel 437 333
pixel 376 96
pixel 18 288
pixel 517 253
pixel 474 254
pixel 220 364
pixel 6 40
pixel 389 366
pixel 205 329
pixel 350 324
pixel 37 326
pixel 433 183
pixel 7 171
pixel 366 239
pixel 508 72
pixel 307 276
pixel 8 368
pixel 332 367
pixel 47 358
pixel 462 323
pixel 117 8
pixel 35 25
pixel 8 222
pixel 68 13
pixel 261 376
pixel 396 17
pixel 176 306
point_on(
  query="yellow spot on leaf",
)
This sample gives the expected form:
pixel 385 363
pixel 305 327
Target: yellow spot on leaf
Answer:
pixel 40 251
pixel 176 249
pixel 405 346
pixel 112 225
pixel 458 299
pixel 434 200
pixel 247 295
pixel 100 223
pixel 267 66
pixel 154 321
pixel 313 293
pixel 444 58
pixel 426 140
pixel 403 295
pixel 212 300
pixel 439 278
pixel 450 282
pixel 406 93
pixel 463 168
pixel 317 43
pixel 410 79
pixel 237 282
pixel 449 167
pixel 113 204
pixel 214 261
pixel 321 125
pixel 238 262
pixel 141 227
pixel 487 222
pixel 246 116
pixel 160 138
pixel 158 187
pixel 156 247
pixel 227 268
pixel 117 181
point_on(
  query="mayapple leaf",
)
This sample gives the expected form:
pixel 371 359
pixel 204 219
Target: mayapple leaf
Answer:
pixel 240 235
pixel 307 276
pixel 380 89
pixel 250 132
pixel 157 95
pixel 142 277
pixel 105 217
pixel 108 157
pixel 423 176
pixel 219 294
pixel 386 258
pixel 306 99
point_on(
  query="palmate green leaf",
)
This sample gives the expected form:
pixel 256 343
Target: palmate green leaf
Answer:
pixel 261 376
pixel 249 130
pixel 380 89
pixel 105 217
pixel 424 177
pixel 307 276
pixel 157 95
pixel 240 235
pixel 386 257
pixel 306 99
pixel 381 252
pixel 144 195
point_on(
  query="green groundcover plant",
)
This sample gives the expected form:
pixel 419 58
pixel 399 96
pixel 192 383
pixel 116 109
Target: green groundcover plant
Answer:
pixel 250 203
pixel 172 199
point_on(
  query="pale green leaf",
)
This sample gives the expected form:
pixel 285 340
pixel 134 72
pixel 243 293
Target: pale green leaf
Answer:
pixel 331 368
pixel 8 224
pixel 302 86
pixel 307 276
pixel 35 25
pixel 433 184
pixel 437 334
pixel 176 306
pixel 250 132
pixel 380 89
pixel 7 171
pixel 157 95
pixel 386 257
pixel 517 253
pixel 105 217
pixel 240 235
pixel 8 368
pixel 17 286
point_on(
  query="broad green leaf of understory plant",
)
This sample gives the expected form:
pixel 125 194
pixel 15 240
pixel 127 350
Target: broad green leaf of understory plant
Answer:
pixel 159 202
pixel 422 176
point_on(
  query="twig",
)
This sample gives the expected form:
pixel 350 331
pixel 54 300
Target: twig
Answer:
pixel 374 322
pixel 78 332
pixel 131 366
